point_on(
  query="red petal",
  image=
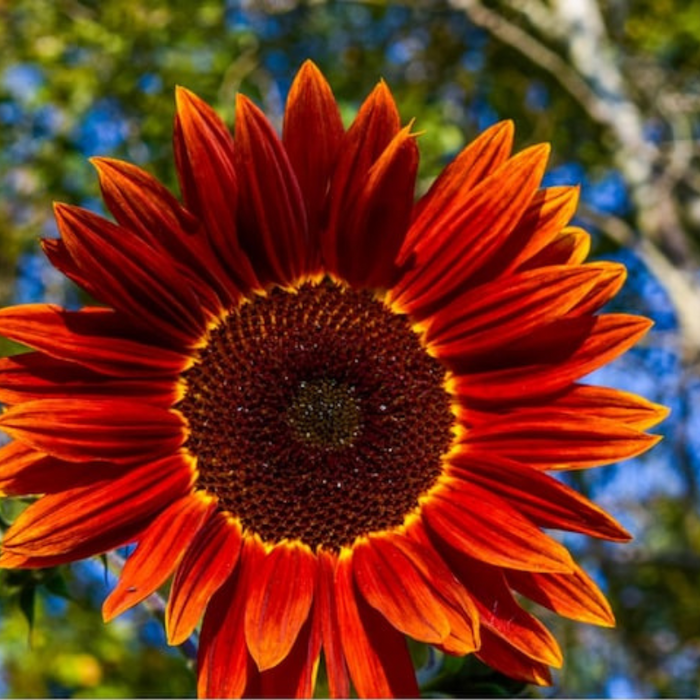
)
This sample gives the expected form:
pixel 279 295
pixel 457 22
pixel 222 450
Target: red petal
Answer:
pixel 25 471
pixel 499 654
pixel 494 315
pixel 312 134
pixel 468 234
pixel 572 595
pixel 547 439
pixel 95 338
pixel 542 499
pixel 390 583
pixel 295 677
pixel 159 550
pixel 550 361
pixel 90 517
pixel 376 653
pixel 205 164
pixel 376 124
pixel 33 375
pixel 113 430
pixel 325 609
pixel 140 203
pixel 609 404
pixel 569 248
pixel 126 273
pixel 476 162
pixel 279 602
pixel 485 527
pixel 208 562
pixel 272 219
pixel 224 665
pixel 375 224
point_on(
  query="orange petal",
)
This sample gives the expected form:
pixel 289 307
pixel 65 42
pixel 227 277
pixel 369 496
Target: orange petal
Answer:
pixel 609 404
pixel 573 595
pixel 569 248
pixel 375 125
pixel 376 653
pixel 542 499
pixel 499 654
pixel 469 233
pixel 91 517
pixel 295 676
pixel 224 665
pixel 208 562
pixel 390 583
pixel 33 376
pixel 325 609
pixel 548 439
pixel 458 606
pixel 113 430
pixel 485 527
pixel 93 337
pixel 141 204
pixel 551 360
pixel 373 229
pixel 25 471
pixel 158 552
pixel 273 228
pixel 494 315
pixel 124 272
pixel 279 602
pixel 476 161
pixel 499 610
pixel 312 134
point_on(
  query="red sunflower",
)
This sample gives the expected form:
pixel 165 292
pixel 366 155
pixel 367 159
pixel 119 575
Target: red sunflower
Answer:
pixel 328 410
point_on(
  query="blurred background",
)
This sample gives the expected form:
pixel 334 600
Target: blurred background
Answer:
pixel 614 85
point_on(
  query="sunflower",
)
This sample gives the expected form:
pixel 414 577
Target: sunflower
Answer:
pixel 326 410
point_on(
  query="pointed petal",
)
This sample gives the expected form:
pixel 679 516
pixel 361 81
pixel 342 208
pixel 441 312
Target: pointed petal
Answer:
pixel 272 219
pixel 494 315
pixel 158 553
pixel 224 665
pixel 376 124
pixel 499 654
pixel 130 276
pixel 376 653
pixel 113 430
pixel 390 583
pixel 33 376
pixel 573 595
pixel 373 229
pixel 205 165
pixel 551 361
pixel 25 471
pixel 295 677
pixel 569 248
pixel 609 404
pixel 208 562
pixel 477 161
pixel 468 234
pixel 325 608
pixel 279 602
pixel 547 439
pixel 90 337
pixel 539 497
pixel 499 610
pixel 89 516
pixel 141 204
pixel 485 527
pixel 312 134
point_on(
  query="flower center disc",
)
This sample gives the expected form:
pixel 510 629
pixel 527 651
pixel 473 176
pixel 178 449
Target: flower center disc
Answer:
pixel 317 415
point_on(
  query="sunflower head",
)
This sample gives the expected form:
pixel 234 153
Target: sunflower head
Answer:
pixel 328 410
